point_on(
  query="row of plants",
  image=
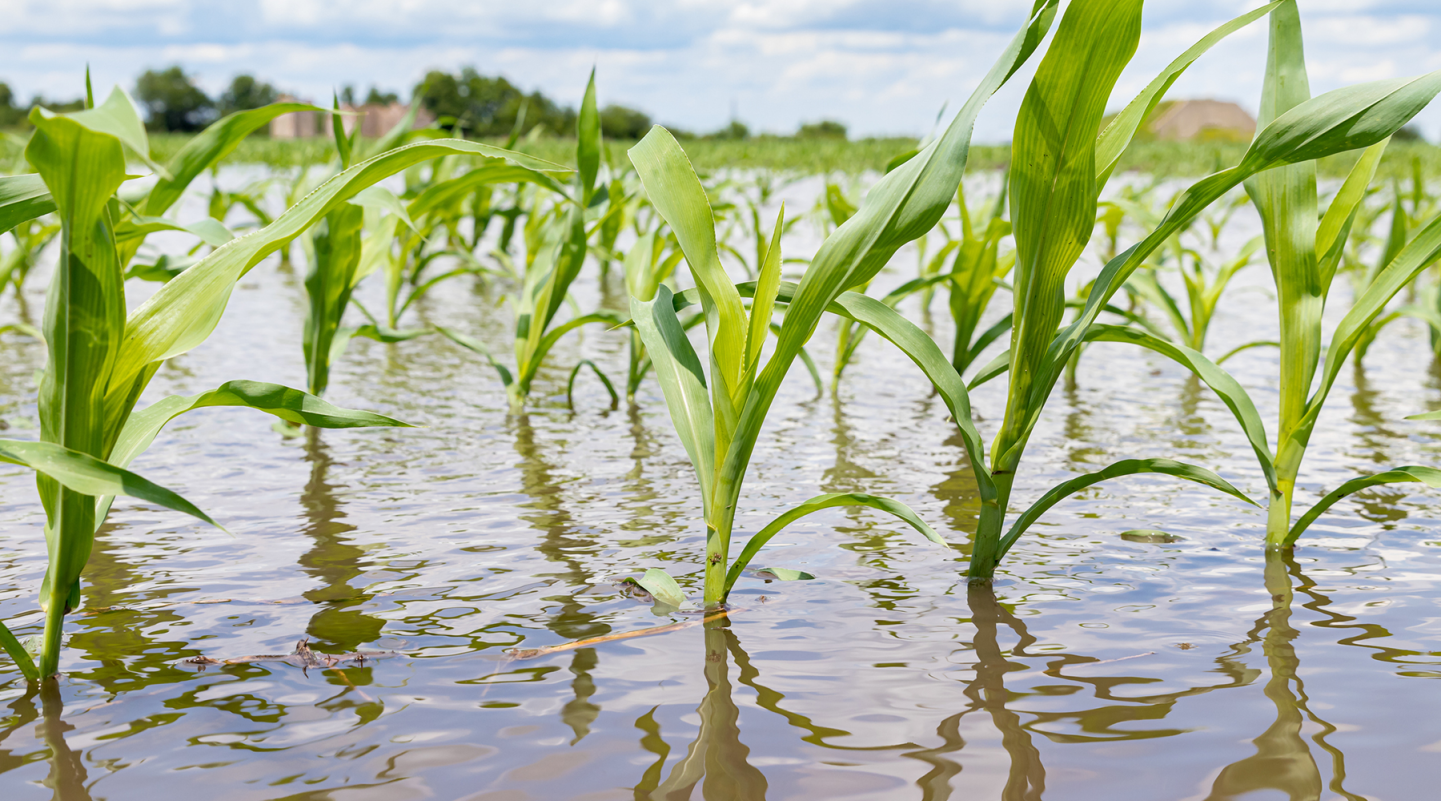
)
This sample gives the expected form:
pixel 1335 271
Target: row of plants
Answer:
pixel 458 209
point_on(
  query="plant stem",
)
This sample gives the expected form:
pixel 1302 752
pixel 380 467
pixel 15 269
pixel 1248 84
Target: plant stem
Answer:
pixel 986 553
pixel 54 627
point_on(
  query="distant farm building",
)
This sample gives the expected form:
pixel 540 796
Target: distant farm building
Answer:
pixel 375 120
pixel 1201 120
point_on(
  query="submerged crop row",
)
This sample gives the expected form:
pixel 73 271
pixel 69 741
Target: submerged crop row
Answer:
pixel 491 212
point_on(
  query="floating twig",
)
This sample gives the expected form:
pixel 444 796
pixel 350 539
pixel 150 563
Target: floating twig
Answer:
pixel 302 657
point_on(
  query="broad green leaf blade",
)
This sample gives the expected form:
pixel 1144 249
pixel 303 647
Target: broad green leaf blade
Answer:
pixel 678 370
pixel 1335 227
pixel 1423 250
pixel 661 586
pixel 88 476
pixel 18 653
pixel 783 574
pixel 1429 476
pixel 476 346
pixel 1053 186
pixel 23 197
pixel 118 117
pixel 1117 136
pixel 290 405
pixel 588 144
pixel 1436 415
pixel 182 314
pixel 1227 388
pixel 1125 467
pixel 676 192
pixel 899 208
pixel 84 323
pixel 816 504
pixel 382 199
pixel 764 302
pixel 207 148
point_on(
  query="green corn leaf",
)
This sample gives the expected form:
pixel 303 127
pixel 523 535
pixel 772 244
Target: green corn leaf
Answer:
pixel 1125 467
pixel 1227 388
pixel 661 587
pixel 446 193
pixel 604 379
pixel 207 148
pixel 18 653
pixel 1053 185
pixel 84 323
pixel 290 405
pixel 1429 476
pixel 676 192
pixel 682 381
pixel 899 208
pixel 381 199
pixel 1117 136
pixel 1335 227
pixel 88 476
pixel 476 346
pixel 182 313
pixel 210 231
pixel 588 143
pixel 783 574
pixel 328 284
pixel 118 117
pixel 1423 250
pixel 22 198
pixel 816 504
pixel 1436 415
pixel 764 302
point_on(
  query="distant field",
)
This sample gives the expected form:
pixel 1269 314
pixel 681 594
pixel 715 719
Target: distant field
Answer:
pixel 820 155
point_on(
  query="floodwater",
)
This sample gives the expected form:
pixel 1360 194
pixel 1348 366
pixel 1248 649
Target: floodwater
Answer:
pixel 1097 667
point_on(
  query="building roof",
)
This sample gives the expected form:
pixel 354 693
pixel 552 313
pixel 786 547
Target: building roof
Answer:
pixel 1191 119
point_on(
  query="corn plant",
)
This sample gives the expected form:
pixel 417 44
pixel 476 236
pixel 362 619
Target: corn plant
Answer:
pixel 719 413
pixel 556 250
pixel 1304 249
pixel 101 360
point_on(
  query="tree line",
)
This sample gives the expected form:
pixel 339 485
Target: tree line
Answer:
pixel 466 102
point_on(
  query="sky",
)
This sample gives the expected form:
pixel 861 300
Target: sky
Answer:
pixel 879 66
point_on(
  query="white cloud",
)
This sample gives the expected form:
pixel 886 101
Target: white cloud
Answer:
pixel 881 66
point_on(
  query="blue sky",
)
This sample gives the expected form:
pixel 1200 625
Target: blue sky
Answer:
pixel 880 66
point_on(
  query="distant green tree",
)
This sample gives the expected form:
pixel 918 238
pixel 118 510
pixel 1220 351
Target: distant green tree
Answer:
pixel 379 98
pixel 1409 133
pixel 347 95
pixel 482 106
pixel 246 93
pixel 620 122
pixel 825 129
pixel 735 129
pixel 172 101
pixel 11 115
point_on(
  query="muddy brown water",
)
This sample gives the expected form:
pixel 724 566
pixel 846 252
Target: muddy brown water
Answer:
pixel 1097 667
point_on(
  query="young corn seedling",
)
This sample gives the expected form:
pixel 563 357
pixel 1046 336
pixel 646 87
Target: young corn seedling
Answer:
pixel 559 251
pixel 1304 249
pixel 100 359
pixel 719 412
